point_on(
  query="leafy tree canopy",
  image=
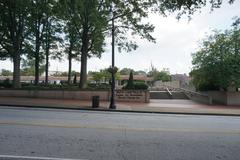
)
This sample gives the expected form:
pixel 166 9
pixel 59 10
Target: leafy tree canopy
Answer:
pixel 102 76
pixel 28 68
pixel 162 76
pixel 216 65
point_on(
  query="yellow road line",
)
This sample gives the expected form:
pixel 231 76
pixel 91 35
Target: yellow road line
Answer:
pixel 190 130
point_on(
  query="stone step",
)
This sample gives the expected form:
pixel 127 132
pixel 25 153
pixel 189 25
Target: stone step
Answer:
pixel 166 95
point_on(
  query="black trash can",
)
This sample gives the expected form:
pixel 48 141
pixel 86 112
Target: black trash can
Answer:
pixel 95 101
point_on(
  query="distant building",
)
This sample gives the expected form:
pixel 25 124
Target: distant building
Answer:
pixel 159 85
pixel 182 78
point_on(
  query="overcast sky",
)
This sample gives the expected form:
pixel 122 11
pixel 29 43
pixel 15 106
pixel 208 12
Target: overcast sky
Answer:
pixel 175 41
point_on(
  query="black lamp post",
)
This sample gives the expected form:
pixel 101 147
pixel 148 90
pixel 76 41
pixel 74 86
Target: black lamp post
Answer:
pixel 112 102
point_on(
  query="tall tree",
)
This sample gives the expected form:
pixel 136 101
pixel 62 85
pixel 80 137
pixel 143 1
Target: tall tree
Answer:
pixel 72 46
pixel 130 83
pixel 13 16
pixel 216 64
pixel 37 26
pixel 88 19
pixel 52 38
pixel 103 76
pixel 72 34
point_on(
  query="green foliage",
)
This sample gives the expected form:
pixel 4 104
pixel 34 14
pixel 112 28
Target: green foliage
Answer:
pixel 5 83
pixel 63 86
pixel 162 76
pixel 88 19
pixel 33 27
pixel 13 17
pixel 130 83
pixel 216 64
pixel 202 81
pixel 101 86
pixel 103 76
pixel 134 85
pixel 140 86
pixel 28 68
pixel 6 72
pixel 13 30
pixel 137 86
pixel 129 15
pixel 186 7
pixel 97 76
pixel 153 71
pixel 44 37
pixel 126 71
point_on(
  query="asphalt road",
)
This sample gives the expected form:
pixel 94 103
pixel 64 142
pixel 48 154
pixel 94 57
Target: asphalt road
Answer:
pixel 51 134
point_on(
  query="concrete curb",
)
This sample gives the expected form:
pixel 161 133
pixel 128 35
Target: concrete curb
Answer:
pixel 124 111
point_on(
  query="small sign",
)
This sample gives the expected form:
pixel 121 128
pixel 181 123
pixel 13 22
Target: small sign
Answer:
pixel 131 95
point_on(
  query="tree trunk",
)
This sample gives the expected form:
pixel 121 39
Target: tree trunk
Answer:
pixel 15 27
pixel 83 74
pixel 39 33
pixel 16 70
pixel 37 59
pixel 84 54
pixel 47 64
pixel 69 69
pixel 70 63
pixel 17 47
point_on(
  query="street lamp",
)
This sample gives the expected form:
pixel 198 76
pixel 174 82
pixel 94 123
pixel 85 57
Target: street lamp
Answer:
pixel 112 101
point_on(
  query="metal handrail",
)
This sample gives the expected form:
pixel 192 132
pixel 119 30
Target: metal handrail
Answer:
pixel 193 92
pixel 168 91
pixel 210 100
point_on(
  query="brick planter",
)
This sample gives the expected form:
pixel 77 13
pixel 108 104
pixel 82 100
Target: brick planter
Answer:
pixel 104 95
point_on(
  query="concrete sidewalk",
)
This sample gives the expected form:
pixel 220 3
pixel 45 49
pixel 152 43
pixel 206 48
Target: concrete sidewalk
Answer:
pixel 155 106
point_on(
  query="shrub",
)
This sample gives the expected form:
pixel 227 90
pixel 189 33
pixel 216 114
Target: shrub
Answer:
pixel 98 86
pixel 137 86
pixel 130 83
pixel 50 86
pixel 140 86
pixel 6 83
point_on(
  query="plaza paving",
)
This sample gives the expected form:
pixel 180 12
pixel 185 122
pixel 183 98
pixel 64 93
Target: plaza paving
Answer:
pixel 159 106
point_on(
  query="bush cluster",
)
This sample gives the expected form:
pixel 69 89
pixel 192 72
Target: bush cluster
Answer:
pixel 136 86
pixel 5 83
pixel 132 85
pixel 140 86
pixel 98 86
